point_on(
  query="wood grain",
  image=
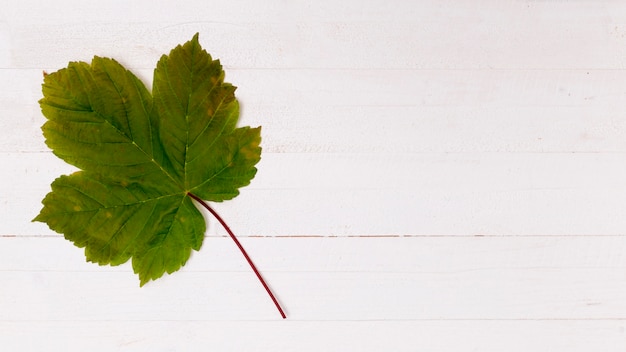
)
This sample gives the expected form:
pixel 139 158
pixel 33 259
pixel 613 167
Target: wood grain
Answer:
pixel 436 176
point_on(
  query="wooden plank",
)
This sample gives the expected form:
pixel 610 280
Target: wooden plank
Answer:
pixel 326 279
pixel 378 194
pixel 382 111
pixel 436 336
pixel 403 35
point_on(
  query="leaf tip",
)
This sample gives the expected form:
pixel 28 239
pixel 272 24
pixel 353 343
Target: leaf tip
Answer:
pixel 41 217
pixel 144 277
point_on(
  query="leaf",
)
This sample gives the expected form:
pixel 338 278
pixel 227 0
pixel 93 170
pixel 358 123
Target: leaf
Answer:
pixel 143 157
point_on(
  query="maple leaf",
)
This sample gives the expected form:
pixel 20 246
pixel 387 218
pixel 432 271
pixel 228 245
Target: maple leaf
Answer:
pixel 144 157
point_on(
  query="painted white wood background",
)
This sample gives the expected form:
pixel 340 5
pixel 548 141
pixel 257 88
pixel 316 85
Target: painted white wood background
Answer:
pixel 436 176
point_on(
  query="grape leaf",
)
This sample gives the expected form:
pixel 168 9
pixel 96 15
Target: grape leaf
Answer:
pixel 144 157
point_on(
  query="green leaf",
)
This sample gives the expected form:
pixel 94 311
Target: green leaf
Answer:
pixel 143 156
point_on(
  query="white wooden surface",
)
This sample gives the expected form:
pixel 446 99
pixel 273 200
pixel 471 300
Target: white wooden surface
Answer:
pixel 436 176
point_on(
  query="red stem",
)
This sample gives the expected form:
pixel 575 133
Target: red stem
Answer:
pixel 243 251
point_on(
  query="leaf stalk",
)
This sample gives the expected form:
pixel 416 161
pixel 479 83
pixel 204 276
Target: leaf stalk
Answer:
pixel 243 251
